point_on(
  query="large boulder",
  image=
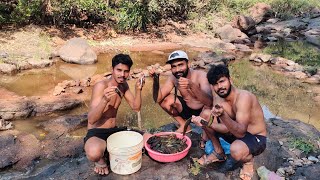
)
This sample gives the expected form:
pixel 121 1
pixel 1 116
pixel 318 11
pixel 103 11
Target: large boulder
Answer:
pixel 245 23
pixel 8 150
pixel 229 34
pixel 78 51
pixel 16 108
pixel 260 11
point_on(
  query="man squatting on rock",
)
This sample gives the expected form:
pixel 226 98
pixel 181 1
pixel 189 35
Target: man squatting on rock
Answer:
pixel 238 119
pixel 193 87
pixel 106 98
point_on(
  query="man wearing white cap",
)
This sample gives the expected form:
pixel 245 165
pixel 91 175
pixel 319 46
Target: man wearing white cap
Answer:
pixel 193 86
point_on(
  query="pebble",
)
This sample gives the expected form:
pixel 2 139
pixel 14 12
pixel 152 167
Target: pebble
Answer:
pixel 313 159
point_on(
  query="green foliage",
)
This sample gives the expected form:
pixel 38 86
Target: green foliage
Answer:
pixel 132 15
pixel 290 8
pixel 80 12
pixel 176 10
pixel 300 52
pixel 20 11
pixel 302 144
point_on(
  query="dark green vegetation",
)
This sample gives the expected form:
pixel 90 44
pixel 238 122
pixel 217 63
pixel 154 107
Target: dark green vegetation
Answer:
pixel 302 144
pixel 127 15
pixel 300 52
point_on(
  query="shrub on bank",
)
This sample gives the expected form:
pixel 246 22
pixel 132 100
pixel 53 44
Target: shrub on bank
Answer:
pixel 139 14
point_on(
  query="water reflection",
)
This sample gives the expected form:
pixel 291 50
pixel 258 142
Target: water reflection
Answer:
pixel 276 96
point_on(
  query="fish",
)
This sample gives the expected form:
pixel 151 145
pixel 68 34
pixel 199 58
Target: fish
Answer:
pixel 118 92
pixel 188 121
pixel 175 94
pixel 175 91
pixel 156 87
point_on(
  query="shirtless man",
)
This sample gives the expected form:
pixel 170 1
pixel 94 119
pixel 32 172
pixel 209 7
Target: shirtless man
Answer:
pixel 238 119
pixel 106 98
pixel 193 86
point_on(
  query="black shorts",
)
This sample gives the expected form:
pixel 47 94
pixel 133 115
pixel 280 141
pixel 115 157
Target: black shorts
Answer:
pixel 102 133
pixel 256 143
pixel 187 112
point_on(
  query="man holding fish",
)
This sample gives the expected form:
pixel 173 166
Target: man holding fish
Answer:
pixel 192 85
pixel 106 98
pixel 238 119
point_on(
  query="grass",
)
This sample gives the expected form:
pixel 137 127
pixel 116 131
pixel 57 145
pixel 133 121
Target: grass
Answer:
pixel 302 144
pixel 300 52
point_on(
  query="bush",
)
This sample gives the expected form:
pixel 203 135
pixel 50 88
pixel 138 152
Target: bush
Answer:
pixel 302 144
pixel 79 12
pixel 132 15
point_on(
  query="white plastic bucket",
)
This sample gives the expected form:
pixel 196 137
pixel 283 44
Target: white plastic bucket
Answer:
pixel 125 152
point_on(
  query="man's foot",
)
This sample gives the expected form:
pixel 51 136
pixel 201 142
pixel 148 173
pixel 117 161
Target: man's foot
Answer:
pixel 247 171
pixel 101 169
pixel 211 158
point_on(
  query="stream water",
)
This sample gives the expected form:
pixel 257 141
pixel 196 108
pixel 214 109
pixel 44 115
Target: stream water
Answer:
pixel 292 103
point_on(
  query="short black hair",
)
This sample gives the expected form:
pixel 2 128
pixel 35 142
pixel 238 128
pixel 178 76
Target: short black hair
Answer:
pixel 216 72
pixel 123 59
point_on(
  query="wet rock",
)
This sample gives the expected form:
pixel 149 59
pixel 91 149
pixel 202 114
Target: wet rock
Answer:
pixel 64 124
pixel 9 149
pixel 78 51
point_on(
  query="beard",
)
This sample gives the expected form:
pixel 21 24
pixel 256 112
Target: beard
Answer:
pixel 226 94
pixel 181 74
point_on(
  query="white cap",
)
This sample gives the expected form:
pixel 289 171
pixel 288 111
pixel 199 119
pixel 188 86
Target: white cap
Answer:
pixel 177 55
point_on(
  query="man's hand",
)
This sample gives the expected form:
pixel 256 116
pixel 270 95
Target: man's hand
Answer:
pixel 140 82
pixel 184 83
pixel 153 71
pixel 217 110
pixel 109 92
pixel 196 120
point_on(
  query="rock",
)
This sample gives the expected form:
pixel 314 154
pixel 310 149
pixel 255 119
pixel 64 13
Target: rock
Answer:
pixel 46 106
pixel 8 68
pixel 281 172
pixel 78 51
pixel 260 11
pixel 313 159
pixel 8 150
pixel 29 150
pixel 58 90
pixel 229 34
pixel 4 54
pixel 39 63
pixel 77 90
pixel 312 80
pixel 245 23
pixel 64 124
pixel 16 108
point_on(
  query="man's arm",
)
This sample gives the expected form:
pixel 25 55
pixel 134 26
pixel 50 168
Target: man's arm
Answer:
pixel 239 126
pixel 134 101
pixel 99 100
pixel 203 91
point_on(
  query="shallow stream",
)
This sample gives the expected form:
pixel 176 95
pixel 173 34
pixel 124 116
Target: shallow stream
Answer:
pixel 279 95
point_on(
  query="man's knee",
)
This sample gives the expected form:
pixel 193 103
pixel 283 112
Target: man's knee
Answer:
pixel 94 153
pixel 239 150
